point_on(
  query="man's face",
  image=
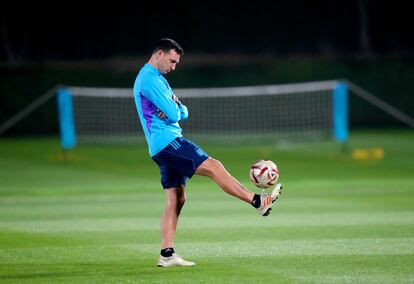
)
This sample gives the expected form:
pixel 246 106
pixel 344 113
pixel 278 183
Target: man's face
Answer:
pixel 167 61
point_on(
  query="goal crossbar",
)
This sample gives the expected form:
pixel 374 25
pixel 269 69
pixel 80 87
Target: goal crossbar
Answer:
pixel 248 113
pixel 213 92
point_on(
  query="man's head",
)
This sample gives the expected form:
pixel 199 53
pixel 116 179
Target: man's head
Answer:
pixel 166 55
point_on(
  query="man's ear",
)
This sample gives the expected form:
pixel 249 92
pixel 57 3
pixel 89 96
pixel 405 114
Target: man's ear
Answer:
pixel 159 54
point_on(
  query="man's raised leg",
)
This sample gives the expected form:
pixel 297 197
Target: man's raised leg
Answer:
pixel 216 171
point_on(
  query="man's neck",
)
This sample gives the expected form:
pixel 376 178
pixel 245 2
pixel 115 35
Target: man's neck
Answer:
pixel 153 62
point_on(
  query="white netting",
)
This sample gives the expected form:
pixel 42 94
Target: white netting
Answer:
pixel 238 114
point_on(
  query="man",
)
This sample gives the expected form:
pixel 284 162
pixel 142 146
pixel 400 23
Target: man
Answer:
pixel 178 158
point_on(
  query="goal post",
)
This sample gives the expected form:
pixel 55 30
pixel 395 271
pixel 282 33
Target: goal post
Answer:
pixel 340 112
pixel 66 120
pixel 248 114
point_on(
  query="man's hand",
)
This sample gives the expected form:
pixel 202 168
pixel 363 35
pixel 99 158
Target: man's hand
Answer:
pixel 175 99
pixel 160 114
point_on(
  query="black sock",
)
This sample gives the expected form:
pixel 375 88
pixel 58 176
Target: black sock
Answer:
pixel 167 252
pixel 256 201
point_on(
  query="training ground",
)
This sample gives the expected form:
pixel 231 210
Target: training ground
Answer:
pixel 92 215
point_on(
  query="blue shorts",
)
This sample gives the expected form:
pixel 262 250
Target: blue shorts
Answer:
pixel 178 161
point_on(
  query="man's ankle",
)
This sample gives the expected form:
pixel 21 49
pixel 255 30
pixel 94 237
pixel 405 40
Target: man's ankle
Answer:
pixel 167 252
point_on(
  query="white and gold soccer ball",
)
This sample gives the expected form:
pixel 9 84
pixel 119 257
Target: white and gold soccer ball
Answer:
pixel 264 174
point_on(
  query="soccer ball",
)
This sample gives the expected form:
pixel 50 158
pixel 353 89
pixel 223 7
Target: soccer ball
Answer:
pixel 264 174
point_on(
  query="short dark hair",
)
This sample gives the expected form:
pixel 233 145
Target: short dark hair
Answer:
pixel 167 44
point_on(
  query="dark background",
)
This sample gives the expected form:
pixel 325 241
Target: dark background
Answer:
pixel 226 43
pixel 81 30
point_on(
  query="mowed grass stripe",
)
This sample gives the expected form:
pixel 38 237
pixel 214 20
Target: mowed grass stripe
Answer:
pixel 247 221
pixel 19 239
pixel 199 250
pixel 284 269
pixel 200 203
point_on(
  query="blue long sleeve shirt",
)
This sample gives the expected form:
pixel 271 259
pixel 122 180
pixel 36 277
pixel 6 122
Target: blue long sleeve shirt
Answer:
pixel 152 93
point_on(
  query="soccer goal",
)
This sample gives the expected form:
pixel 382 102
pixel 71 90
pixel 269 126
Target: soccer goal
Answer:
pixel 250 114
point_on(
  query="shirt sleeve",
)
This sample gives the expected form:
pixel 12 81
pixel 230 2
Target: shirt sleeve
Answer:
pixel 156 91
pixel 183 112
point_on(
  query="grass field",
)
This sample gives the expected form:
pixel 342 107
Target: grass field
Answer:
pixel 93 217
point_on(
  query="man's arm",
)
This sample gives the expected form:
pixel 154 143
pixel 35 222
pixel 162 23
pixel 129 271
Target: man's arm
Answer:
pixel 161 97
pixel 183 108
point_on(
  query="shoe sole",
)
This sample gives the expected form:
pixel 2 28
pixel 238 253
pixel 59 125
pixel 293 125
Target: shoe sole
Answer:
pixel 160 265
pixel 175 265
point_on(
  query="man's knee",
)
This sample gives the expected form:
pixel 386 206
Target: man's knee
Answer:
pixel 181 201
pixel 181 196
pixel 175 197
pixel 210 167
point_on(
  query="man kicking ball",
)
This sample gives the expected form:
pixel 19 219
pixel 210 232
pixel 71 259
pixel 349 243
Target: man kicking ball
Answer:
pixel 160 111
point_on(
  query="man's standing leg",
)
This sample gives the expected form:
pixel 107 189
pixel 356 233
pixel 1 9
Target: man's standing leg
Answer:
pixel 175 199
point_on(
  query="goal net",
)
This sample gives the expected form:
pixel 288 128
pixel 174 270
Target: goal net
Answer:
pixel 253 114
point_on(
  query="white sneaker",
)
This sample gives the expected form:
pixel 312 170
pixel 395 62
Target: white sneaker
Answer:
pixel 174 260
pixel 267 200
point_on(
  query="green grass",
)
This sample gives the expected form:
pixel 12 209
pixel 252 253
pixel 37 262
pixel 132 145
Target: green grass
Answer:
pixel 92 216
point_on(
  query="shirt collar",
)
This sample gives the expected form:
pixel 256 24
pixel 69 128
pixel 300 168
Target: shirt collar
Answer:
pixel 152 68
